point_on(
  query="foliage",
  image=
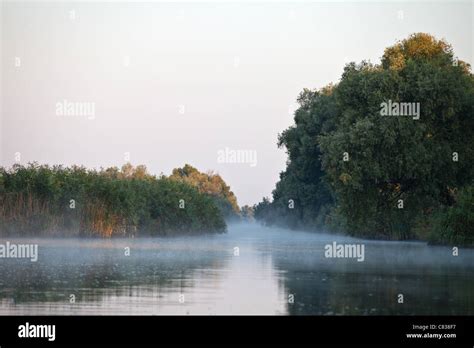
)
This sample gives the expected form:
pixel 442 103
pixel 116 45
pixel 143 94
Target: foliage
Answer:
pixel 453 225
pixel 42 200
pixel 212 185
pixel 247 213
pixel 390 159
pixel 302 183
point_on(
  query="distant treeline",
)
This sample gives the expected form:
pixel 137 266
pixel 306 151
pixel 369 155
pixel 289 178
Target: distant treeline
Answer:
pixel 39 200
pixel 386 153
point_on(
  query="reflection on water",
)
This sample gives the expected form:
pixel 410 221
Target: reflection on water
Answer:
pixel 272 265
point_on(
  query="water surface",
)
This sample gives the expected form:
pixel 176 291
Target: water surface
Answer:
pixel 272 266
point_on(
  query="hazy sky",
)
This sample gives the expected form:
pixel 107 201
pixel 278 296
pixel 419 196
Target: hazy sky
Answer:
pixel 174 83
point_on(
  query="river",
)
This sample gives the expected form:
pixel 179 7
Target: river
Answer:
pixel 249 270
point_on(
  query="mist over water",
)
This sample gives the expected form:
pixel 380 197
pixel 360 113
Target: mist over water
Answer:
pixel 271 265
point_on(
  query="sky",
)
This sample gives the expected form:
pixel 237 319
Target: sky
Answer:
pixel 169 83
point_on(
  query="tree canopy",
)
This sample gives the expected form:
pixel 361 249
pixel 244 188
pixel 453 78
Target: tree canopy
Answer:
pixel 351 168
pixel 210 184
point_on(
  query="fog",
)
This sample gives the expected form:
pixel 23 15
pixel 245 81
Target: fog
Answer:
pixel 209 275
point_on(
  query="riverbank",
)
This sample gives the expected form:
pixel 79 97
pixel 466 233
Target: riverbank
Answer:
pixel 39 200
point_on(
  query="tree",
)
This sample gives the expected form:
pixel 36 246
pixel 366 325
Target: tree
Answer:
pixel 375 175
pixel 212 185
pixel 400 167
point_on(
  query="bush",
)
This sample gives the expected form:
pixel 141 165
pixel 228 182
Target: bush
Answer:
pixel 455 224
pixel 41 200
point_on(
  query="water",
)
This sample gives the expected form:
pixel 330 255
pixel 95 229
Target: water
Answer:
pixel 272 265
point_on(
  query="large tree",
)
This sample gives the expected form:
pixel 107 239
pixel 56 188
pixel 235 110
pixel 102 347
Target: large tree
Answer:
pixel 385 172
